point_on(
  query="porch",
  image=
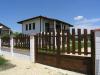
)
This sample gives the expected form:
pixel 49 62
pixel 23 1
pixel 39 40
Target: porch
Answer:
pixel 51 26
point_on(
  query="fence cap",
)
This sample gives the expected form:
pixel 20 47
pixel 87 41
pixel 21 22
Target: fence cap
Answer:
pixel 97 29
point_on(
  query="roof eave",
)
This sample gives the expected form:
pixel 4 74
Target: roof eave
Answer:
pixel 20 22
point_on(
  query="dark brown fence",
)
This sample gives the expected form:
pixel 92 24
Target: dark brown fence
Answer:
pixel 22 41
pixel 67 50
pixel 5 41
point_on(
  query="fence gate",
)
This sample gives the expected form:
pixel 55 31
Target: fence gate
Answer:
pixel 67 50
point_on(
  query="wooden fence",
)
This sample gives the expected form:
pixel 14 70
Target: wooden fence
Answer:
pixel 22 41
pixel 67 50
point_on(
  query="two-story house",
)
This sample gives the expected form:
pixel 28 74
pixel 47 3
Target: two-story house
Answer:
pixel 42 24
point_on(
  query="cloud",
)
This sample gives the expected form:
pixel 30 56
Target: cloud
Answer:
pixel 78 18
pixel 95 20
pixel 84 23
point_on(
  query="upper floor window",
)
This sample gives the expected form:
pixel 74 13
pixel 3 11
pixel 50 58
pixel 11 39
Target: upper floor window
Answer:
pixel 33 26
pixel 26 27
pixel 47 27
pixel 29 26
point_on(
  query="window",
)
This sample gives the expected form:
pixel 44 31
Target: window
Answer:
pixel 47 27
pixel 26 27
pixel 33 26
pixel 29 26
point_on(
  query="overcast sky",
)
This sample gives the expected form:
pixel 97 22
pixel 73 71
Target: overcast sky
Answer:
pixel 80 13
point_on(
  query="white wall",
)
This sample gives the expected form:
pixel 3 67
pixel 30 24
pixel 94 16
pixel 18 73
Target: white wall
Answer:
pixel 37 27
pixel 97 66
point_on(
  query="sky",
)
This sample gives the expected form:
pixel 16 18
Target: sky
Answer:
pixel 80 13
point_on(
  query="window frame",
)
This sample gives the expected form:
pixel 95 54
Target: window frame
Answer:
pixel 33 26
pixel 47 26
pixel 30 26
pixel 26 27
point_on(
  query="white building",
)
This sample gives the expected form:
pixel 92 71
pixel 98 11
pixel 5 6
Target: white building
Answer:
pixel 42 24
pixel 4 29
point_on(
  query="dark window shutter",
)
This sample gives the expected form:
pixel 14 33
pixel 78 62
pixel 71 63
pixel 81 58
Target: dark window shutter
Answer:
pixel 33 26
pixel 26 26
pixel 29 26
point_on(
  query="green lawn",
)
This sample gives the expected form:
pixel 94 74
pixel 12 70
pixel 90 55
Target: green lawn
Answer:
pixel 2 60
pixel 76 47
pixel 82 44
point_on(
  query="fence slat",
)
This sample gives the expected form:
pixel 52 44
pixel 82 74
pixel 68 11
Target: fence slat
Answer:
pixel 39 35
pixel 46 40
pixel 24 41
pixel 68 41
pixel 49 42
pixel 58 48
pixel 85 42
pixel 93 52
pixel 63 41
pixel 21 41
pixel 42 37
pixel 73 41
pixel 79 41
pixel 53 41
pixel 36 47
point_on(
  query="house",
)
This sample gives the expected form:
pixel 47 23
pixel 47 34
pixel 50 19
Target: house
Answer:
pixel 4 29
pixel 43 24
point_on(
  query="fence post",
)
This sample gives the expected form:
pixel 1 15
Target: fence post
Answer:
pixel 93 52
pixel 11 45
pixel 58 49
pixel 0 45
pixel 32 48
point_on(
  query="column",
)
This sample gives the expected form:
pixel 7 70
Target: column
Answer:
pixel 11 45
pixel 97 53
pixel 55 32
pixel 32 48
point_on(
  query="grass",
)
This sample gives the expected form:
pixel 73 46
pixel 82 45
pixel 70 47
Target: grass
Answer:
pixel 82 44
pixel 2 60
pixel 76 47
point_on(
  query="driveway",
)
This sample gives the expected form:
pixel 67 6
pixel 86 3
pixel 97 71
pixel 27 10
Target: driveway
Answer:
pixel 22 66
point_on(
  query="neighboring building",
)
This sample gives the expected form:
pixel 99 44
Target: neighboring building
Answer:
pixel 43 24
pixel 4 29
